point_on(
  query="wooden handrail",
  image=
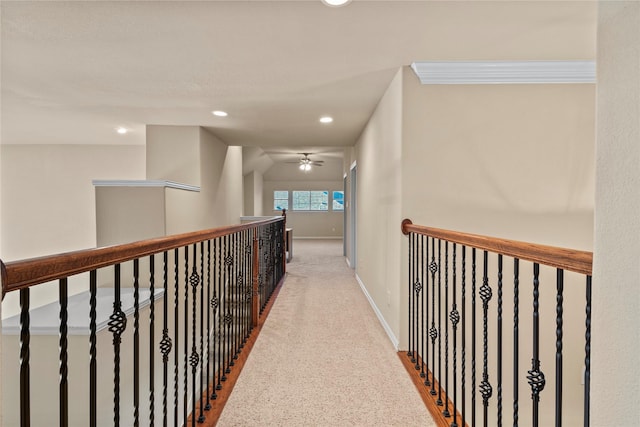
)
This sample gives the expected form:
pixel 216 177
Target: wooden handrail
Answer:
pixel 566 259
pixel 22 274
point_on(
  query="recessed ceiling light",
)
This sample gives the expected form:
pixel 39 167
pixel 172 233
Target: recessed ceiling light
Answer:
pixel 220 113
pixel 122 130
pixel 326 119
pixel 336 3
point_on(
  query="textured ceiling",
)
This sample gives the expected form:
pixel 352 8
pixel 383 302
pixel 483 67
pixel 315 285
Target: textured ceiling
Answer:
pixel 72 72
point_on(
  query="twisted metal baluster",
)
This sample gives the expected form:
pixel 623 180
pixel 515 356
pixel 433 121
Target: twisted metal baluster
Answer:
pixel 454 316
pixel 587 355
pixel 25 374
pixel 208 406
pixel 93 351
pixel 176 333
pixel 194 358
pixel 63 344
pixel 439 401
pixel 165 342
pixel 417 287
pixel 463 338
pixel 117 325
pixel 433 332
pixel 410 299
pixel 499 340
pixel 185 359
pixel 473 337
pixel 516 346
pixel 485 294
pixel 559 301
pixel 422 334
pixel 151 340
pixel 201 417
pixel 427 381
pixel 535 375
pixel 136 343
pixel 446 329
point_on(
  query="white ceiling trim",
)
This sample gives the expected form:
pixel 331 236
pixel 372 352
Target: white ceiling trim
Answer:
pixel 144 183
pixel 504 72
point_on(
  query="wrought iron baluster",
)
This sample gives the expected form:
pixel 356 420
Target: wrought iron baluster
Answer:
pixel 455 318
pixel 433 332
pixel 427 381
pixel 185 359
pixel 64 370
pixel 535 375
pixel 485 294
pixel 117 325
pixel 227 318
pixel 473 337
pixel 93 351
pixel 417 287
pixel 215 306
pixel 194 359
pixel 439 401
pixel 463 303
pixel 587 355
pixel 201 416
pixel 25 339
pixel 422 333
pixel 411 282
pixel 209 359
pixel 499 340
pixel 165 342
pixel 136 343
pixel 559 301
pixel 152 326
pixel 516 344
pixel 236 299
pixel 446 329
pixel 176 334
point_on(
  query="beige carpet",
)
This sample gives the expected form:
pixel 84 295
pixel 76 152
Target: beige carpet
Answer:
pixel 322 358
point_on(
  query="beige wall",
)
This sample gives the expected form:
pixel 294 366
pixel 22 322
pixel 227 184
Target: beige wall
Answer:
pixel 515 161
pixel 378 211
pixel 616 289
pixel 306 224
pixel 48 201
pixel 173 153
pixel 253 190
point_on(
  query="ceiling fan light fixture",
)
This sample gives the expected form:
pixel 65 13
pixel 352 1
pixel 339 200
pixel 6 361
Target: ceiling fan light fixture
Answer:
pixel 336 3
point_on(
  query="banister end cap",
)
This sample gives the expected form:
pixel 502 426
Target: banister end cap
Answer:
pixel 405 223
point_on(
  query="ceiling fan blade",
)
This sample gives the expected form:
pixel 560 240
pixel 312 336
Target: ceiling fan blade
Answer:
pixel 314 163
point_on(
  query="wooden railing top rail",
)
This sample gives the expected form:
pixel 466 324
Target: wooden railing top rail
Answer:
pixel 566 259
pixel 22 274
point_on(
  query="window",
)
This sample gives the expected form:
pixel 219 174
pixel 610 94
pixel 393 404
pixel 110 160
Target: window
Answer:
pixel 310 200
pixel 280 200
pixel 338 201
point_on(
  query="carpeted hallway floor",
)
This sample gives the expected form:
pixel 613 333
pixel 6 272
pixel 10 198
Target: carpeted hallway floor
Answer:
pixel 322 358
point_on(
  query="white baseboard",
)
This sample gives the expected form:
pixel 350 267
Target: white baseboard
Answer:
pixel 317 237
pixel 383 322
pixel 348 263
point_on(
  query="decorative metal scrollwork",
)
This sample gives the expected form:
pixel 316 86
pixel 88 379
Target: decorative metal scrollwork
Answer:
pixel 536 380
pixel 194 280
pixel 194 359
pixel 214 303
pixel 485 390
pixel 117 323
pixel 454 316
pixel 228 318
pixel 228 260
pixel 248 294
pixel 433 267
pixel 165 345
pixel 433 333
pixel 417 287
pixel 485 293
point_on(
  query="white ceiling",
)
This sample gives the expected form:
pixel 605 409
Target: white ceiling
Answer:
pixel 72 72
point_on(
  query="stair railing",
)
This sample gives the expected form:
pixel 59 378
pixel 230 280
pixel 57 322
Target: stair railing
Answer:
pixel 208 288
pixel 469 369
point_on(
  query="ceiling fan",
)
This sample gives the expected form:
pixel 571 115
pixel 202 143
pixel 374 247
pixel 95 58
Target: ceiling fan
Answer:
pixel 305 162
